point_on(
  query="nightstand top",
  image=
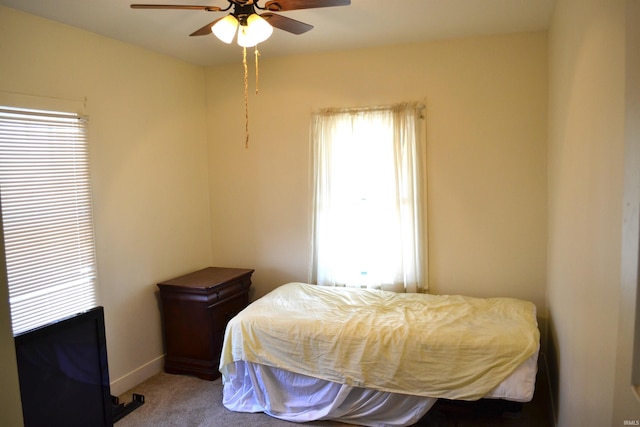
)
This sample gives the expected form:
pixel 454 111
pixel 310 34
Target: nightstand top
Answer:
pixel 208 277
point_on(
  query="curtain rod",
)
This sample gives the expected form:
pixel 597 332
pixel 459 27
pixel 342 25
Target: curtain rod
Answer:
pixel 398 106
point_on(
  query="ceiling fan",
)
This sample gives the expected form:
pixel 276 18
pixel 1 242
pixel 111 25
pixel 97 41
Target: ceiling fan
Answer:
pixel 243 10
pixel 252 28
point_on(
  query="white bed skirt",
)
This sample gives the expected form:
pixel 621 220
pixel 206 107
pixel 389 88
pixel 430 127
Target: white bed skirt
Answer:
pixel 299 398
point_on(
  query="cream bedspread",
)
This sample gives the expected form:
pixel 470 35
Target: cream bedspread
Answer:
pixel 452 347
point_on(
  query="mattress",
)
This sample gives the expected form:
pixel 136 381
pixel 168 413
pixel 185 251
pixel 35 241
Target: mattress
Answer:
pixel 305 352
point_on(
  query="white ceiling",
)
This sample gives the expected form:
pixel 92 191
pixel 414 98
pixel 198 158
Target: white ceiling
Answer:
pixel 364 23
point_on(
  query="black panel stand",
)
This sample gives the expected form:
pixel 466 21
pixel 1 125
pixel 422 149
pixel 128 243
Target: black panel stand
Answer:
pixel 120 410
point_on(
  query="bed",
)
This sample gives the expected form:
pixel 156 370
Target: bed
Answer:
pixel 375 358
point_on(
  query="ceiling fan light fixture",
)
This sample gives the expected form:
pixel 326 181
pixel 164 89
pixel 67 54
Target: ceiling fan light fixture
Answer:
pixel 256 31
pixel 225 28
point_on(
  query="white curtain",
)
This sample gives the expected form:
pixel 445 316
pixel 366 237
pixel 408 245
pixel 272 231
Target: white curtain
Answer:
pixel 368 198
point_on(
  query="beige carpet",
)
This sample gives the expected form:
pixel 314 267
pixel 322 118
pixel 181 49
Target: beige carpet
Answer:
pixel 185 401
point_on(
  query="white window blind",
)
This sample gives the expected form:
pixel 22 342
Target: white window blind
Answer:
pixel 47 216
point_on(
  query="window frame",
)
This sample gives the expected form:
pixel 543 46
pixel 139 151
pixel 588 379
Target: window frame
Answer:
pixel 407 149
pixel 67 189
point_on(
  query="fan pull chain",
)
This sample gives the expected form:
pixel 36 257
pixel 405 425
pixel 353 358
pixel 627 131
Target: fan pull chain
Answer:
pixel 257 53
pixel 246 97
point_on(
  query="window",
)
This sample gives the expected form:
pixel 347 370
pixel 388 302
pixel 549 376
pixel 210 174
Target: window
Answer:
pixel 45 197
pixel 367 207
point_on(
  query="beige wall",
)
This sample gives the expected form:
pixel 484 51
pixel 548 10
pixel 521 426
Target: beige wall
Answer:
pixel 155 176
pixel 148 155
pixel 488 160
pixel 626 404
pixel 586 176
pixel 486 124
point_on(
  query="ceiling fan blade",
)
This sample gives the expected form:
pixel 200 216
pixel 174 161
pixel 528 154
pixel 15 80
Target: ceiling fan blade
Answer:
pixel 283 5
pixel 286 24
pixel 175 6
pixel 205 30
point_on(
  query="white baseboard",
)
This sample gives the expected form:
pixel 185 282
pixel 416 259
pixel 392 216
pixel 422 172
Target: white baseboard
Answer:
pixel 126 382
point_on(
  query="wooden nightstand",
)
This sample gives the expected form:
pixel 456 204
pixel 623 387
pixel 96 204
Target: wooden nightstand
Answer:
pixel 195 309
